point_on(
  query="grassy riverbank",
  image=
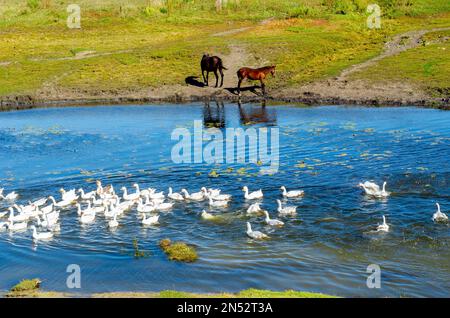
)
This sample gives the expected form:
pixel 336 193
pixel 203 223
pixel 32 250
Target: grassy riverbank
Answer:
pixel 129 50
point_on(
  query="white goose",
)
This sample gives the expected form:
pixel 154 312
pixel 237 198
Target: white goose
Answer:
pixel 207 216
pixel 29 210
pixel 150 220
pixel 175 196
pixel 48 223
pixel 60 204
pixel 42 235
pixel 197 196
pixel 217 204
pixel 254 209
pixel 439 216
pixel 157 195
pixel 213 192
pixel 130 197
pixel 86 196
pixel 47 209
pixel 257 235
pixel 252 195
pixel 17 218
pixel 70 195
pixel 373 189
pixel 113 223
pixel 272 222
pixel 10 196
pixel 287 210
pixel 217 196
pixel 145 208
pixel 292 193
pixel 143 193
pixel 163 206
pixel 86 218
pixel 17 226
pixel 38 203
pixel 383 227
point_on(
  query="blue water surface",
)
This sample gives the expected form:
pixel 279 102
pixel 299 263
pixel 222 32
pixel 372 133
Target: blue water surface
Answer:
pixel 325 151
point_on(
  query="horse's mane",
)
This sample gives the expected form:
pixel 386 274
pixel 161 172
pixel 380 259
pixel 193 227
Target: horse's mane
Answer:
pixel 265 68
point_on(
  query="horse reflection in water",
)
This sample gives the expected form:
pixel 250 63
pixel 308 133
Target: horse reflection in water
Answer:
pixel 214 117
pixel 256 115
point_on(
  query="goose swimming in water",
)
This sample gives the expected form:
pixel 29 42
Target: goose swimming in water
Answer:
pixel 145 208
pixel 383 227
pixel 175 196
pixel 150 220
pixel 287 210
pixel 157 195
pixel 86 196
pixel 207 216
pixel 42 235
pixel 143 193
pixel 17 218
pixel 70 195
pixel 130 197
pixel 17 226
pixel 217 204
pixel 373 189
pixel 38 203
pixel 272 222
pixel 254 209
pixel 197 196
pixel 252 195
pixel 257 235
pixel 439 216
pixel 113 223
pixel 292 193
pixel 60 204
pixel 10 196
pixel 86 218
pixel 164 206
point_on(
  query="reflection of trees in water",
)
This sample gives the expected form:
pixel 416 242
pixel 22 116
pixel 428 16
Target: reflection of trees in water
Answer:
pixel 256 115
pixel 214 116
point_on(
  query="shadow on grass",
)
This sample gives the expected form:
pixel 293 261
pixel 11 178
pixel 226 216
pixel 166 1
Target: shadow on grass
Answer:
pixel 193 81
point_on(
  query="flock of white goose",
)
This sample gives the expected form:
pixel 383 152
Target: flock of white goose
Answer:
pixel 44 213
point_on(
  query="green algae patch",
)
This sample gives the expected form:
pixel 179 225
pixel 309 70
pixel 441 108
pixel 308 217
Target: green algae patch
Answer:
pixel 30 288
pixel 178 251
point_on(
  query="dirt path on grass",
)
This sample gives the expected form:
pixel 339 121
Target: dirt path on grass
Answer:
pixel 342 89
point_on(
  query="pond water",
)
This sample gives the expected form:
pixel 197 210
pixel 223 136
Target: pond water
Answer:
pixel 326 151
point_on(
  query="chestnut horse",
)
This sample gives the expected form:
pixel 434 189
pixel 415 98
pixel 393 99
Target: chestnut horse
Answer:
pixel 258 74
pixel 212 64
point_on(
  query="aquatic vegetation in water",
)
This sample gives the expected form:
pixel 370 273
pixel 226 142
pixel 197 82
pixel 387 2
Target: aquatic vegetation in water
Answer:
pixel 178 251
pixel 213 174
pixel 24 288
pixel 137 252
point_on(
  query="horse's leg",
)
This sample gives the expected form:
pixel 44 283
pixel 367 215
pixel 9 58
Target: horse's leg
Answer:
pixel 204 78
pixel 221 74
pixel 239 86
pixel 263 86
pixel 207 78
pixel 217 77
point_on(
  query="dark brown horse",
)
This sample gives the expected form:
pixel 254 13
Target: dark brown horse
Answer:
pixel 212 64
pixel 258 74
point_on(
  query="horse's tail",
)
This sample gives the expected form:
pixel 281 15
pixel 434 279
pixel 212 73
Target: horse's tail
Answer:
pixel 221 65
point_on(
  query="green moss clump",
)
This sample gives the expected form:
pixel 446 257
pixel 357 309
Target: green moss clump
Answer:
pixel 137 252
pixel 178 251
pixel 27 285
